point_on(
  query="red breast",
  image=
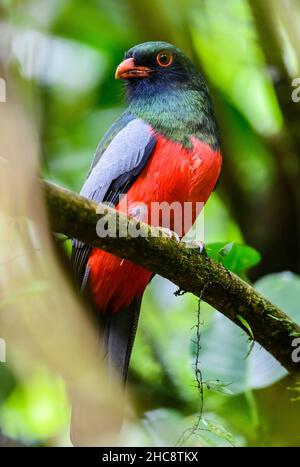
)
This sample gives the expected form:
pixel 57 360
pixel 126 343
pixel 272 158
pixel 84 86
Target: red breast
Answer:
pixel 173 174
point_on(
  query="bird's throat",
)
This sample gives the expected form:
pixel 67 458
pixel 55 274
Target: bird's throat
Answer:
pixel 178 115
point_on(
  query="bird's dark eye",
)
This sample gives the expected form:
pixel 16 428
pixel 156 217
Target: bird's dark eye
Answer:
pixel 164 58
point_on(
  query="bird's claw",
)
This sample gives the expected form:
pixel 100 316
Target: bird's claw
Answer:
pixel 196 245
pixel 200 246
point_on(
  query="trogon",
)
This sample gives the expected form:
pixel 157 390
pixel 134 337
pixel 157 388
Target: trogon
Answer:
pixel 163 148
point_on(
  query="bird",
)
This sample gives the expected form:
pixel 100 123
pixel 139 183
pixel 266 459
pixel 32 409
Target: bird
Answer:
pixel 165 147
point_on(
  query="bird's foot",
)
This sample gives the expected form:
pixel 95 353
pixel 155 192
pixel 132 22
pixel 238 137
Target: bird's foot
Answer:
pixel 200 246
pixel 196 245
pixel 170 234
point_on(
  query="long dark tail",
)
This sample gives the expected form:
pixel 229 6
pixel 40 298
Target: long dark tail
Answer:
pixel 117 331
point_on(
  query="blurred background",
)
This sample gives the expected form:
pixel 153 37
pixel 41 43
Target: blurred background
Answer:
pixel 59 59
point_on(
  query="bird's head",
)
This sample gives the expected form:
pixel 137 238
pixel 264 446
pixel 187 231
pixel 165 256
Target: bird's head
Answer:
pixel 153 67
pixel 166 90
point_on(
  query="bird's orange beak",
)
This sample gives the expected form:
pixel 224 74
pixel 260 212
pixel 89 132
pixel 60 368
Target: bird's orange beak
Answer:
pixel 128 69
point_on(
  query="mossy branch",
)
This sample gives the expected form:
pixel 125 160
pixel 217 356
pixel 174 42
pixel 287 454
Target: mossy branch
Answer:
pixel 191 271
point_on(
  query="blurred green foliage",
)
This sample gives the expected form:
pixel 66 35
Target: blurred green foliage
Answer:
pixel 63 56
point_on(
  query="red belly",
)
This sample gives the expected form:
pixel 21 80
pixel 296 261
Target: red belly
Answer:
pixel 173 174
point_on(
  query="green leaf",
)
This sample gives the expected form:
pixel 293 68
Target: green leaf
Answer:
pixel 235 257
pixel 219 431
pixel 246 325
pixel 219 387
pixel 226 249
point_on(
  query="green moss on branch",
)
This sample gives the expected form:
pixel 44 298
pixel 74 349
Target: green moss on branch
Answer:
pixel 75 216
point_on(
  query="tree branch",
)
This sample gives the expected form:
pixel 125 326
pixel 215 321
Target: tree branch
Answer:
pixel 193 272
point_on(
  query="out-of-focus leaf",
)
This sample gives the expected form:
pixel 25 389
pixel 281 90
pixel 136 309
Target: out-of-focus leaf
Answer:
pixel 36 410
pixel 283 289
pixel 224 347
pixel 165 427
pixel 244 81
pixel 7 382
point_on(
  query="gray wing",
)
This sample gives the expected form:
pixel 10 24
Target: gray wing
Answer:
pixel 125 156
pixel 113 174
